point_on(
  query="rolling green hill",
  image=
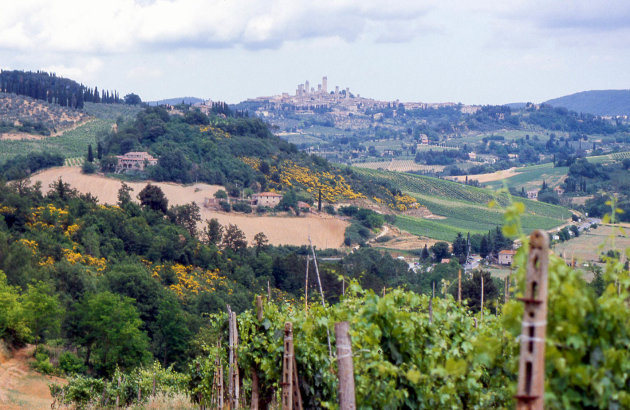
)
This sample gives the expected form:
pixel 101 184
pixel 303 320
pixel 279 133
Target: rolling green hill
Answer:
pixel 598 102
pixel 461 208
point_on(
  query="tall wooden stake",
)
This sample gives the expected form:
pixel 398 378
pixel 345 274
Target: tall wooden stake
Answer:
pixel 254 370
pixel 481 295
pixel 321 292
pixel 220 386
pixel 531 373
pixel 230 388
pixel 287 368
pixel 235 381
pixel 306 286
pixel 345 366
pixel 459 288
pixel 259 308
pixel 507 285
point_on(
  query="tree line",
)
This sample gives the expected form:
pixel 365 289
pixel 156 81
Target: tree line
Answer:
pixel 53 89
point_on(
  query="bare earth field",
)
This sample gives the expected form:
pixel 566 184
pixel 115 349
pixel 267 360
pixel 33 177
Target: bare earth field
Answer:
pixel 493 176
pixel 588 246
pixel 21 387
pixel 404 241
pixel 325 231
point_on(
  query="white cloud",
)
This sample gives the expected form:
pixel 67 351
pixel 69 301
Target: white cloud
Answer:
pixel 124 25
pixel 143 73
pixel 82 70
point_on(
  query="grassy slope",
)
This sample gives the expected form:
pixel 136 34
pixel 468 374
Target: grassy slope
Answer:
pixel 464 207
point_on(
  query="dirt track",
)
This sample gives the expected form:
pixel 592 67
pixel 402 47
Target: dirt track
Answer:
pixel 325 231
pixel 21 387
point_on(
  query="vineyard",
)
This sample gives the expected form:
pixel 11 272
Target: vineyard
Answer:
pixel 463 207
pixel 462 216
pixel 617 156
pixel 400 166
pixel 408 351
pixel 74 162
pixel 71 144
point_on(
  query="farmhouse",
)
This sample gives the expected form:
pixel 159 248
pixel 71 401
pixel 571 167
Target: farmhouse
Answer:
pixel 135 161
pixel 533 194
pixel 506 256
pixel 304 206
pixel 270 199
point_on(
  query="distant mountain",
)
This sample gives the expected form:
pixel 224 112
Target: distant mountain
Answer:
pixel 598 102
pixel 178 100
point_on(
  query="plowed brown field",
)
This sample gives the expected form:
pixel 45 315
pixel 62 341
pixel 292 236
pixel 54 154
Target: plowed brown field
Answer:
pixel 325 231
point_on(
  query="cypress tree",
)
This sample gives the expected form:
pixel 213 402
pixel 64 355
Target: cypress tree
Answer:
pixel 90 155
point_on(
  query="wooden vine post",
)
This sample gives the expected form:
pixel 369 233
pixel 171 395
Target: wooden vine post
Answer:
pixel 321 292
pixel 459 287
pixel 306 286
pixel 481 272
pixel 287 368
pixel 234 373
pixel 291 396
pixel 345 366
pixel 531 372
pixel 255 385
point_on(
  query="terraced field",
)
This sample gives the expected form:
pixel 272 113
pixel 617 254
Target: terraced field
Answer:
pixel 463 207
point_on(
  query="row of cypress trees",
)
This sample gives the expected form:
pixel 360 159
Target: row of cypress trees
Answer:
pixel 56 90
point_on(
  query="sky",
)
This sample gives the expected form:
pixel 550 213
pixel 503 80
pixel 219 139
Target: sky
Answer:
pixel 473 52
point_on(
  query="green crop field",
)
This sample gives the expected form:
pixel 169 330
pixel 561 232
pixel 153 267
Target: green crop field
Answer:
pixel 616 156
pixel 111 111
pixel 71 144
pixel 531 177
pixel 463 208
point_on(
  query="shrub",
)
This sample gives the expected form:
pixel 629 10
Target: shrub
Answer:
pixel 42 363
pixel 329 209
pixel 88 168
pixel 70 363
pixel 242 207
pixel 225 206
pixel 384 238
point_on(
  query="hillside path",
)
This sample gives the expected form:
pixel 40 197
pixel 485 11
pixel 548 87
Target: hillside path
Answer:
pixel 20 386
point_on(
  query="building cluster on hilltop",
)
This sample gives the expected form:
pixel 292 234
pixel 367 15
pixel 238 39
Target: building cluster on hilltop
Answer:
pixel 339 103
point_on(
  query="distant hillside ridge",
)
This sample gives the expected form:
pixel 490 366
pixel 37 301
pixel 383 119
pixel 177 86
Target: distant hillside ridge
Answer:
pixel 598 102
pixel 177 100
